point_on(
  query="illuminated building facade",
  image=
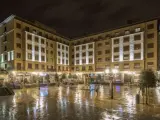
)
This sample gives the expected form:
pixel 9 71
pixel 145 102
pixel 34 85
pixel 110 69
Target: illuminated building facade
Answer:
pixel 33 47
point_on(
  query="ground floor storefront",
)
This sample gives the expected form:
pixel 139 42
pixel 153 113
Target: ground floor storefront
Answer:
pixel 120 77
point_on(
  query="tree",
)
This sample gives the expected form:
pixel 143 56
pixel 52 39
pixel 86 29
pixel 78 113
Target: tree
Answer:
pixel 63 76
pixel 75 76
pixel 70 76
pixel 148 80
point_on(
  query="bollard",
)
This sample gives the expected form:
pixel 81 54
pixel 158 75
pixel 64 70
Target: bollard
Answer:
pixel 137 98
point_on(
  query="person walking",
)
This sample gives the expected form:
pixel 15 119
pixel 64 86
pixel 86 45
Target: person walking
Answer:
pixel 97 89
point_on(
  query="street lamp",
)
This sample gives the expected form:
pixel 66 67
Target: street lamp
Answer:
pixel 112 75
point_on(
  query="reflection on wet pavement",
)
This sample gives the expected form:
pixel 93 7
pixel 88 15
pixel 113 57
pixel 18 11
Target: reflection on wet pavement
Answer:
pixel 73 103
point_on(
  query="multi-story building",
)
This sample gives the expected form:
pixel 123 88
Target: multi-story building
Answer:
pixel 33 47
pixel 129 49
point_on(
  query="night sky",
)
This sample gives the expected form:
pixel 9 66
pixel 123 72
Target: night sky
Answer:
pixel 74 18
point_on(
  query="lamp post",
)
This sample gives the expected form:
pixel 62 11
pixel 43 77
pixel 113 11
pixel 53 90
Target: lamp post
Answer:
pixel 112 75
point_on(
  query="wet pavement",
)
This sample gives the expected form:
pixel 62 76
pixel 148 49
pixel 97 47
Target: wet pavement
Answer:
pixel 73 103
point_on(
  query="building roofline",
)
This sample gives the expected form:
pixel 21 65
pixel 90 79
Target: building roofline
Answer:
pixel 68 38
pixel 112 29
pixel 52 31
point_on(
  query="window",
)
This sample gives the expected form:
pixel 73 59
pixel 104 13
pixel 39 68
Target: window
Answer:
pixel 77 48
pixel 116 58
pixel 27 28
pixel 29 37
pixel 42 41
pixel 67 55
pixel 36 39
pixel 29 56
pixel 29 46
pixel 66 48
pixel 99 59
pixel 67 62
pixel 83 47
pixel 107 59
pixel 137 55
pixel 5 66
pixel 126 39
pixel 62 61
pixel 117 33
pixel 62 47
pixel 36 57
pixel 126 66
pixel 42 50
pixel 5 48
pixel 18 45
pixel 43 67
pixel 116 66
pixel 51 45
pixel 126 32
pixel 18 35
pixel 116 41
pixel 99 44
pixel 59 68
pixel 107 51
pixel 5 57
pixel 47 43
pixel 18 55
pixel 150 35
pixel 83 54
pixel 77 68
pixel 72 56
pixel 59 60
pixel 5 38
pixel 90 60
pixel 36 48
pixel 90 46
pixel 40 33
pixel 106 43
pixel 18 66
pixel 51 52
pixel 42 58
pixel 90 53
pixel 136 65
pixel 150 55
pixel 137 29
pixel 29 66
pixel 36 66
pixel 62 54
pixel 150 64
pixel 126 57
pixel 99 52
pixel 150 45
pixel 116 49
pixel 59 53
pixel 90 68
pixel 137 46
pixel 125 48
pixel 77 55
pixel 83 61
pixel 83 68
pixel 150 26
pixel 34 31
pixel 18 25
pixel 77 61
pixel 5 29
pixel 59 46
pixel 137 37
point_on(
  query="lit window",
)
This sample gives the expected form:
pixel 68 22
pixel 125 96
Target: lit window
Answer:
pixel 29 56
